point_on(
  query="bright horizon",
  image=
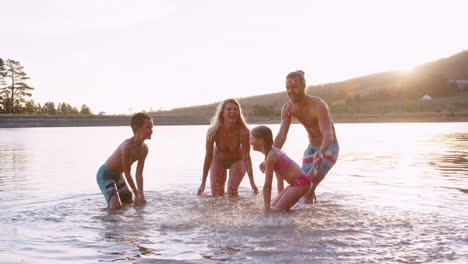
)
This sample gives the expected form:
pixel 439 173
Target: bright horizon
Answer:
pixel 121 57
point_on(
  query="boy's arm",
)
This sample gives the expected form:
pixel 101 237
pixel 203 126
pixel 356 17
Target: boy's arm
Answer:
pixel 139 172
pixel 126 166
pixel 248 160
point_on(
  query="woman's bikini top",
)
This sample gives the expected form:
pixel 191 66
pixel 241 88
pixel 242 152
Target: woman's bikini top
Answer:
pixel 226 149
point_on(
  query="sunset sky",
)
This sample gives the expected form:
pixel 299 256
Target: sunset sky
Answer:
pixel 125 56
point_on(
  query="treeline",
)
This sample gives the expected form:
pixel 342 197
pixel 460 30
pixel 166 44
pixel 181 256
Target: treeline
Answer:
pixel 267 110
pixel 15 91
pixel 49 108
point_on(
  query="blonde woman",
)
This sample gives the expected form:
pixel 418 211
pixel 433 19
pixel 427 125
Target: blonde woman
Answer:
pixel 227 148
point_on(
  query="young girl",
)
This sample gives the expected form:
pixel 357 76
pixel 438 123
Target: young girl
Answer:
pixel 261 140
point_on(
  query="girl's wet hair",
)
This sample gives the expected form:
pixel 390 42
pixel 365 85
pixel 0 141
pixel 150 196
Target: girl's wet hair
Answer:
pixel 299 76
pixel 264 132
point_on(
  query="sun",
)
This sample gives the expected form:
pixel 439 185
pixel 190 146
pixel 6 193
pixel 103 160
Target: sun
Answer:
pixel 407 68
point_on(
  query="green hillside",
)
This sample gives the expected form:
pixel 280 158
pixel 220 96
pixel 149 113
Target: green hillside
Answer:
pixel 392 92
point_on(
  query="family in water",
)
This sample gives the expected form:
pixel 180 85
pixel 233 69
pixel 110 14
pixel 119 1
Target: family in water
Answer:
pixel 227 153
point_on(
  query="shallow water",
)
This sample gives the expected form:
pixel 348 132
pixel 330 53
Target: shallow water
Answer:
pixel 398 194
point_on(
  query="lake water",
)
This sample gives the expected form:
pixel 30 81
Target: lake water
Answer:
pixel 398 194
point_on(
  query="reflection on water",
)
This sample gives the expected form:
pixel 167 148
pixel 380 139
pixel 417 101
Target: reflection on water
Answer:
pixel 398 194
pixel 14 162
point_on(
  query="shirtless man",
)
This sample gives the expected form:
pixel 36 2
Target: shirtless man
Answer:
pixel 109 176
pixel 313 113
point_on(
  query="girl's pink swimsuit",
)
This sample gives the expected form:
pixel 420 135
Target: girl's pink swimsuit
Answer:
pixel 283 163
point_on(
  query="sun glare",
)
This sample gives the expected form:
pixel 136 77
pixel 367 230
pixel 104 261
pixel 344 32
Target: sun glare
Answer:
pixel 407 68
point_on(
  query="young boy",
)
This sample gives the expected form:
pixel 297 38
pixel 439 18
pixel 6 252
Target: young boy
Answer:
pixel 109 176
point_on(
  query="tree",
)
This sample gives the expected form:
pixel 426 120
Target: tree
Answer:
pixel 49 108
pixel 264 110
pixel 14 93
pixel 66 109
pixel 30 108
pixel 85 110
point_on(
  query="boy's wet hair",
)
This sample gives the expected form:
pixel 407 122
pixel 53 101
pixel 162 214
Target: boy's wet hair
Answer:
pixel 299 76
pixel 138 119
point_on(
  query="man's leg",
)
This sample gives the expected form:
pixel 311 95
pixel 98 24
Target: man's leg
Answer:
pixel 316 178
pixel 319 169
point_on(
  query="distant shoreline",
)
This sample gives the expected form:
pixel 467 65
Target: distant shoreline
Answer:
pixel 8 121
pixel 402 119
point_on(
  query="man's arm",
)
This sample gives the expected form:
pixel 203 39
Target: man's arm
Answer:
pixel 325 126
pixel 284 127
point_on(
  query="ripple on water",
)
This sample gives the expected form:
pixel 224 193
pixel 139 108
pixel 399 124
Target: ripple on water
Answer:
pixel 180 227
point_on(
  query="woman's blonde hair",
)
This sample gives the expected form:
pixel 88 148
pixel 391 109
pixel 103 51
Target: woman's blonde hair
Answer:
pixel 218 120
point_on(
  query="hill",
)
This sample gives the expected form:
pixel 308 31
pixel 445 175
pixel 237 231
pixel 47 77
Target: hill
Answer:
pixel 391 96
pixel 374 94
pixel 453 68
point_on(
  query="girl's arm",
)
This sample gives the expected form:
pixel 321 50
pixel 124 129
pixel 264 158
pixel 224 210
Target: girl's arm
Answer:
pixel 280 183
pixel 269 165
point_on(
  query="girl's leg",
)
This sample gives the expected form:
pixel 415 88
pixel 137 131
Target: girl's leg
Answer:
pixel 217 178
pixel 280 196
pixel 289 197
pixel 236 174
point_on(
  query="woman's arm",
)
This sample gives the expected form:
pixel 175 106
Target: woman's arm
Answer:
pixel 206 163
pixel 247 160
